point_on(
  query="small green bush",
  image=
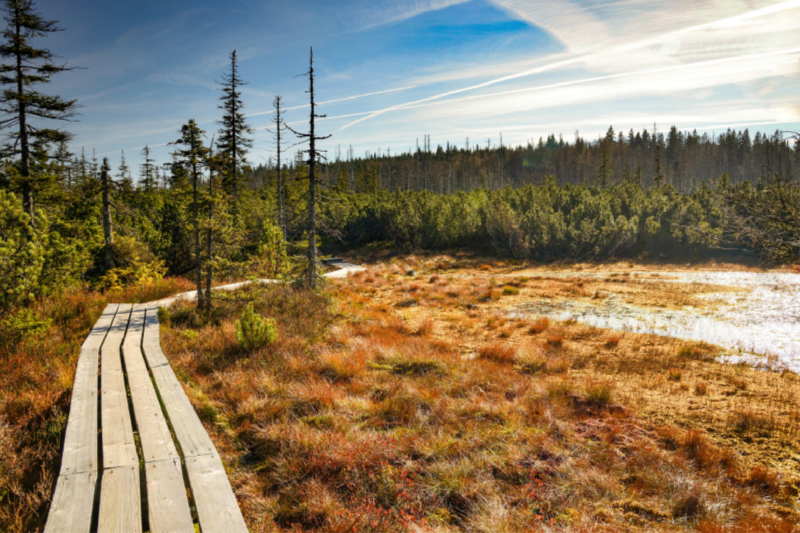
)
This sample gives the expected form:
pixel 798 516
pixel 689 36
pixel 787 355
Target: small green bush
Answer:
pixel 189 334
pixel 254 331
pixel 23 324
pixel 164 316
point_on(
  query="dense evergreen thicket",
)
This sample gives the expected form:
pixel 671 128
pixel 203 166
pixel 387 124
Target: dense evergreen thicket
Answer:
pixel 155 227
pixel 161 225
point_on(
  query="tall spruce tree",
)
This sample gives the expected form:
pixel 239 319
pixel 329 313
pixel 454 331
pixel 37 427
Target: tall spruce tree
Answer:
pixel 658 178
pixel 192 157
pixel 25 108
pixel 605 171
pixel 148 178
pixel 124 175
pixel 233 142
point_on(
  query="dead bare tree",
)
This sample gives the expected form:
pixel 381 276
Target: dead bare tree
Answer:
pixel 212 163
pixel 279 185
pixel 313 155
pixel 107 184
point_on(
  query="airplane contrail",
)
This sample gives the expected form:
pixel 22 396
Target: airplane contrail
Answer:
pixel 332 101
pixel 611 76
pixel 350 115
pixel 287 109
pixel 788 4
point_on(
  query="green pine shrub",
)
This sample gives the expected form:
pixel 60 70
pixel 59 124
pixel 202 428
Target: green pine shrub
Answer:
pixel 272 259
pixel 23 324
pixel 254 331
pixel 22 253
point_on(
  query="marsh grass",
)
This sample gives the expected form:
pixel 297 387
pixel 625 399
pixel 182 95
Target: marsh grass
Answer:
pixel 376 423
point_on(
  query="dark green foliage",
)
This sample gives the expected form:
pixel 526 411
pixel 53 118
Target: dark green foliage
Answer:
pixel 233 142
pixel 36 260
pixel 764 218
pixel 21 253
pixel 24 323
pixel 254 331
pixel 424 220
pixel 550 221
pixel 28 66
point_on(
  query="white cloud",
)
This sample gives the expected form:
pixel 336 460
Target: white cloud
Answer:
pixel 664 80
pixel 726 31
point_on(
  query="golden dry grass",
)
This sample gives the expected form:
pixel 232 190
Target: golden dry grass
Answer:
pixel 414 403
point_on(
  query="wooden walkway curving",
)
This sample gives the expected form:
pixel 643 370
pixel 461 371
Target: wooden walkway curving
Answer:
pixel 112 481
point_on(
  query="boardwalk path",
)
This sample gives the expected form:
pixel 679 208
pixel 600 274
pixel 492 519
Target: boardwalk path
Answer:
pixel 136 456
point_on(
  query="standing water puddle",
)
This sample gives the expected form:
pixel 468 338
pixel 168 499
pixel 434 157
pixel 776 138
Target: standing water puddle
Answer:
pixel 762 322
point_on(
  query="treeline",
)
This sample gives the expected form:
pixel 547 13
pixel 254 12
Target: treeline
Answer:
pixel 154 227
pixel 684 160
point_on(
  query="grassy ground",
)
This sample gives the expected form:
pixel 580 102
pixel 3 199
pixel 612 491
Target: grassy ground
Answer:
pixel 404 399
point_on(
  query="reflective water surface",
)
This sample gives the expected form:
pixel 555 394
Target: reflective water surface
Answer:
pixel 762 323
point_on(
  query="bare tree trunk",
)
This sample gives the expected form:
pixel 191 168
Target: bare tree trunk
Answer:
pixel 25 169
pixel 312 179
pixel 279 184
pixel 312 187
pixel 198 264
pixel 209 251
pixel 108 234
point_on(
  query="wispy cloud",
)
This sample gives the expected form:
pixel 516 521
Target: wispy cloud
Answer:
pixel 574 20
pixel 356 97
pixel 714 72
pixel 384 13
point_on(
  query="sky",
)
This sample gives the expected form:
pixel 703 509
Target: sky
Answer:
pixel 391 72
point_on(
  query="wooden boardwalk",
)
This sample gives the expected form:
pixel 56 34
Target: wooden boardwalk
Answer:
pixel 136 456
pixel 167 480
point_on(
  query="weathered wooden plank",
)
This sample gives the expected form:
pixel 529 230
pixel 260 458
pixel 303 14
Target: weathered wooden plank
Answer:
pixel 80 440
pixel 217 509
pixel 154 435
pixel 73 501
pixel 216 505
pixel 189 431
pixel 120 501
pixel 168 505
pixel 166 493
pixel 151 341
pixel 119 448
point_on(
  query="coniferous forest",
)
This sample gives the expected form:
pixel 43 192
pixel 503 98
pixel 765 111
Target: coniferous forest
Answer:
pixel 660 196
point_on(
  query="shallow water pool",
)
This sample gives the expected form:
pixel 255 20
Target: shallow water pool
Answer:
pixel 761 323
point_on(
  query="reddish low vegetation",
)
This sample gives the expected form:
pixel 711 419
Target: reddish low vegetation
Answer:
pixel 405 401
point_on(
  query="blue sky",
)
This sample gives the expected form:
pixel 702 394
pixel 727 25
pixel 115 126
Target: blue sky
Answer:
pixel 394 71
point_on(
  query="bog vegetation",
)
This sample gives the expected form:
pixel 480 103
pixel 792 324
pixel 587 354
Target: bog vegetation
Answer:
pixel 371 413
pixel 375 421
